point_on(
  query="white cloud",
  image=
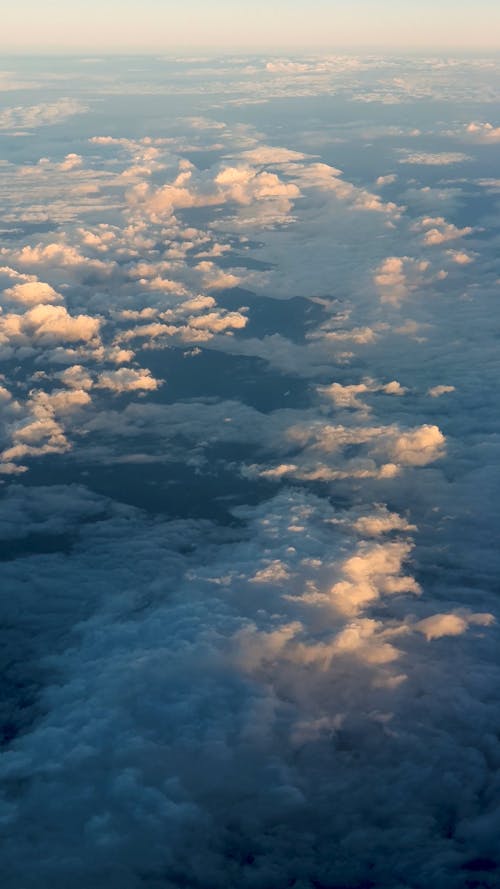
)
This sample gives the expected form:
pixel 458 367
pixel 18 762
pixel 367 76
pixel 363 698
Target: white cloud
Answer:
pixel 32 293
pixel 397 276
pixel 438 231
pixel 76 377
pixel 419 446
pixel 439 625
pixel 126 379
pixel 348 396
pixel 47 325
pixel 26 289
pixel 382 522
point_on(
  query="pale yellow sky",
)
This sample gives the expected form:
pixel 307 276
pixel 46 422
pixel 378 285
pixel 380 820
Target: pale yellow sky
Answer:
pixel 157 24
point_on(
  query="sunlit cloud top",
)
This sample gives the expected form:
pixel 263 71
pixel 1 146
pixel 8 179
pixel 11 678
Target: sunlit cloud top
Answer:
pixel 232 24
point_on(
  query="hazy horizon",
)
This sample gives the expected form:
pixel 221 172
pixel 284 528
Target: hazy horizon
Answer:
pixel 287 23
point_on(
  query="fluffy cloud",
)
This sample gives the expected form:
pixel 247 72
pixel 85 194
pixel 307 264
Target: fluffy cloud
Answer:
pixel 126 379
pixel 46 325
pixel 76 377
pixel 348 396
pixel 32 293
pixel 242 185
pixel 440 625
pixel 322 452
pixel 42 429
pixel 419 447
pixel 438 231
pixel 484 132
pixel 26 289
pixel 398 276
pixel 60 256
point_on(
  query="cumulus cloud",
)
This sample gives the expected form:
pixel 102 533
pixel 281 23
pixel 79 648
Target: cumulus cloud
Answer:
pixel 453 624
pixel 242 185
pixel 32 293
pixel 126 379
pixel 322 451
pixel 348 396
pixel 419 446
pixel 27 289
pixel 58 255
pixel 438 231
pixel 381 522
pixel 42 428
pixel 484 132
pixel 397 276
pixel 46 325
pixel 76 377
pixel 460 257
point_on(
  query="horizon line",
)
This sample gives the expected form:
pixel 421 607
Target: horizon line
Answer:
pixel 242 49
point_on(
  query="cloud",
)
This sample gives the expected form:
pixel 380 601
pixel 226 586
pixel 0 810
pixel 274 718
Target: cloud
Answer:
pixel 45 114
pixel 32 293
pixel 271 155
pixel 437 391
pixel 438 231
pixel 438 159
pixel 76 377
pixel 419 446
pixel 58 255
pixel 397 276
pixel 484 132
pixel 236 684
pixel 460 257
pixel 72 161
pixel 126 379
pixel 348 396
pixel 42 429
pixel 241 184
pixel 440 625
pixel 321 451
pixel 389 179
pixel 381 522
pixel 26 289
pixel 46 325
pixel 373 570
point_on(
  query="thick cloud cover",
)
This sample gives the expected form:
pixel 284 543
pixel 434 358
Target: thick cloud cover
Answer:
pixel 249 449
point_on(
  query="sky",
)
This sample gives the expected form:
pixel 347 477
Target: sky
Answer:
pixel 55 25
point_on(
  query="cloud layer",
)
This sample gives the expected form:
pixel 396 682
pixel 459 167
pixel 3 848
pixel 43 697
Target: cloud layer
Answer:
pixel 249 449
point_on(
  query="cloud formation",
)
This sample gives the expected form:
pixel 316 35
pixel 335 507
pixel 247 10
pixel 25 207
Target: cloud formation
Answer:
pixel 249 449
